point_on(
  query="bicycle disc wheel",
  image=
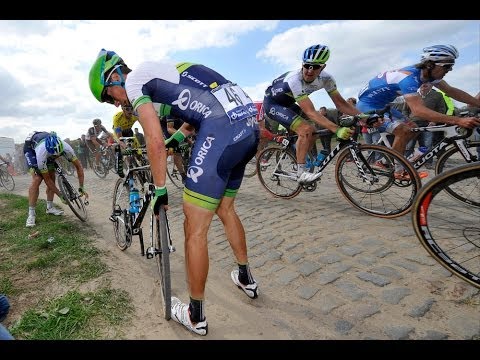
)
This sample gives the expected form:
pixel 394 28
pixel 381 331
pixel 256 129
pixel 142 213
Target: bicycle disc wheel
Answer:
pixel 277 172
pixel 74 200
pixel 449 229
pixel 7 180
pixel 120 207
pixel 161 240
pixel 373 188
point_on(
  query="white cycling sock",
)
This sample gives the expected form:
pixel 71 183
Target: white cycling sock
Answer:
pixel 300 169
pixel 31 210
pixel 49 204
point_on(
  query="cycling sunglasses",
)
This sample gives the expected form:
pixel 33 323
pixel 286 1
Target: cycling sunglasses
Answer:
pixel 313 66
pixel 446 66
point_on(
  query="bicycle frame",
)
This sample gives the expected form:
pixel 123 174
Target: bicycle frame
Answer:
pixel 452 135
pixel 134 228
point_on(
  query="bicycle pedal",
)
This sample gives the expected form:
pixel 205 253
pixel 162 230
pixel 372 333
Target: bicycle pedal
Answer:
pixel 150 253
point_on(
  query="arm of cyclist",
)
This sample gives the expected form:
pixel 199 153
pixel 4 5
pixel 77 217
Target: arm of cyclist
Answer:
pixel 418 109
pixel 174 140
pixel 156 151
pixel 81 177
pixel 309 110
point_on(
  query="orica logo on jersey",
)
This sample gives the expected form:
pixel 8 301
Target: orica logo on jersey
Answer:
pixel 194 172
pixel 184 101
pixel 278 113
pixel 276 91
pixel 202 153
pixel 194 79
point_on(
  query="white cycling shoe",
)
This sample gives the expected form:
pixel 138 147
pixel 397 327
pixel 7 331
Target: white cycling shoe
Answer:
pixel 306 177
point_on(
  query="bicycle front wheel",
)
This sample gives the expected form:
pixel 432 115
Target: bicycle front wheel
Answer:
pixel 173 172
pixel 371 184
pixel 448 228
pixel 160 236
pixel 73 198
pixel 277 172
pixel 7 180
pixel 120 211
pixel 452 157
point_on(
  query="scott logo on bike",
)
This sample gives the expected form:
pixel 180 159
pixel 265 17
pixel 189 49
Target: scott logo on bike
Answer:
pixel 194 172
pixel 183 102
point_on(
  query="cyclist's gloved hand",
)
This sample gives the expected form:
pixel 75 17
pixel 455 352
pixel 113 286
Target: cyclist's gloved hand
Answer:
pixel 160 197
pixel 174 140
pixel 344 133
pixel 346 121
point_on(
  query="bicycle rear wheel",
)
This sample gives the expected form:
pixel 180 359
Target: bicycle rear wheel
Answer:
pixel 373 188
pixel 277 172
pixel 7 180
pixel 99 169
pixel 120 211
pixel 73 198
pixel 160 236
pixel 449 229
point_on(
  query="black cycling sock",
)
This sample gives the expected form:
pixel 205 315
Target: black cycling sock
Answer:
pixel 197 311
pixel 244 274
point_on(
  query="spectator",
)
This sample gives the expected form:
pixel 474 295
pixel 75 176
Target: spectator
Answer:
pixel 82 151
pixel 326 140
pixel 4 309
pixel 140 137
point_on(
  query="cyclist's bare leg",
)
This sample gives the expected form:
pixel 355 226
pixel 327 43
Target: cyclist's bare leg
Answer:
pixel 304 141
pixel 402 136
pixel 34 189
pixel 50 192
pixel 234 229
pixel 196 225
pixel 177 160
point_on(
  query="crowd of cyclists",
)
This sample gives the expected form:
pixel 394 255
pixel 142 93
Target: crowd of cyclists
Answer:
pixel 172 101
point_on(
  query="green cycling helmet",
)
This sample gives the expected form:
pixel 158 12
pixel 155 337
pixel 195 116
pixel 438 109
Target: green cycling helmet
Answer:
pixel 106 62
pixel 316 54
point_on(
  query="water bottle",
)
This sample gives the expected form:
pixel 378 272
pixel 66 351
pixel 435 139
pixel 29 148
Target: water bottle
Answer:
pixel 321 156
pixel 417 153
pixel 134 201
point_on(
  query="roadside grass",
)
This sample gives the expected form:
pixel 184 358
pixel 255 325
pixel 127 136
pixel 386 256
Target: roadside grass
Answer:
pixel 42 277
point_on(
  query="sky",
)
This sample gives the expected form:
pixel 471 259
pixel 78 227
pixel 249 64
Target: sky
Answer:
pixel 44 64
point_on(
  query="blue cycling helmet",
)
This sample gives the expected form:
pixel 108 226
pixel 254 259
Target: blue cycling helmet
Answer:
pixel 316 54
pixel 439 53
pixel 53 144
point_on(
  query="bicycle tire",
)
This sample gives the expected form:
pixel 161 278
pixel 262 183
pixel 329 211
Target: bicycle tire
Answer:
pixel 378 193
pixel 452 157
pixel 73 198
pixel 6 180
pixel 121 204
pixel 99 169
pixel 173 172
pixel 278 176
pixel 161 239
pixel 251 168
pixel 447 228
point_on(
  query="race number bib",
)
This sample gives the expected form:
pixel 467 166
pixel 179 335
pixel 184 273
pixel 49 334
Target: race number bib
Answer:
pixel 237 105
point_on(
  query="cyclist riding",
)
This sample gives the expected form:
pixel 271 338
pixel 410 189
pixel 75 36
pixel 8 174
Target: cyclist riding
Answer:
pixel 436 61
pixel 41 149
pixel 223 116
pixel 287 102
pixel 93 138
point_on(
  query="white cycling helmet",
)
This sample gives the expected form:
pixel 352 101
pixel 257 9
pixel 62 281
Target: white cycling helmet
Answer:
pixel 439 53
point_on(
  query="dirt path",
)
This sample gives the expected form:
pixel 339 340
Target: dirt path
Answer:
pixel 325 271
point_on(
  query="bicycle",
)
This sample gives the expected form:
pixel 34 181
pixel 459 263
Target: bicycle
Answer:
pixel 178 160
pixel 445 217
pixel 73 198
pixel 369 188
pixel 129 210
pixel 99 169
pixel 134 158
pixel 6 179
pixel 448 156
